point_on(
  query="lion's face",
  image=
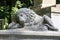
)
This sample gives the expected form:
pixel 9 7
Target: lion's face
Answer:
pixel 22 17
pixel 25 15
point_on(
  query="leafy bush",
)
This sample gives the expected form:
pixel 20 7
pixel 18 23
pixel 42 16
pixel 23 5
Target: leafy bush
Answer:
pixel 7 10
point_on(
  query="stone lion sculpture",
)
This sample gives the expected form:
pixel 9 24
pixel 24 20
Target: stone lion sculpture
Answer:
pixel 27 19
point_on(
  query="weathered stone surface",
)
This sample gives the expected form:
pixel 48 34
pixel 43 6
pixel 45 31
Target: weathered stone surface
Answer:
pixel 28 19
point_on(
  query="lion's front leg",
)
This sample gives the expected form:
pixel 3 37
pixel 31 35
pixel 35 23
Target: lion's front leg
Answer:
pixel 13 25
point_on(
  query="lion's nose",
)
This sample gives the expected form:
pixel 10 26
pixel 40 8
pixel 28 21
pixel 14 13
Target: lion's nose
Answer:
pixel 22 19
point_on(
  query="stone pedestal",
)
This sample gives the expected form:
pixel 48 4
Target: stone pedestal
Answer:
pixel 18 34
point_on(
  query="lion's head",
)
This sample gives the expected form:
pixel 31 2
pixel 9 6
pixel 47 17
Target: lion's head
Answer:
pixel 25 15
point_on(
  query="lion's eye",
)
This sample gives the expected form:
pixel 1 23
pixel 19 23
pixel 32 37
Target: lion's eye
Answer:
pixel 31 15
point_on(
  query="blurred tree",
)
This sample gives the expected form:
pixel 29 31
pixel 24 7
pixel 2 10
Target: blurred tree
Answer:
pixel 27 3
pixel 58 1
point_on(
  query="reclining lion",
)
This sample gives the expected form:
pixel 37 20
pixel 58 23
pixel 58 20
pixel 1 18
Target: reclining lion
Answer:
pixel 27 19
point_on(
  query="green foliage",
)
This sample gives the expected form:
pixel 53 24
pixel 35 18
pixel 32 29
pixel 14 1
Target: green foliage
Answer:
pixel 4 14
pixel 57 1
pixel 14 10
pixel 27 3
pixel 17 5
pixel 21 3
pixel 4 10
pixel 6 24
